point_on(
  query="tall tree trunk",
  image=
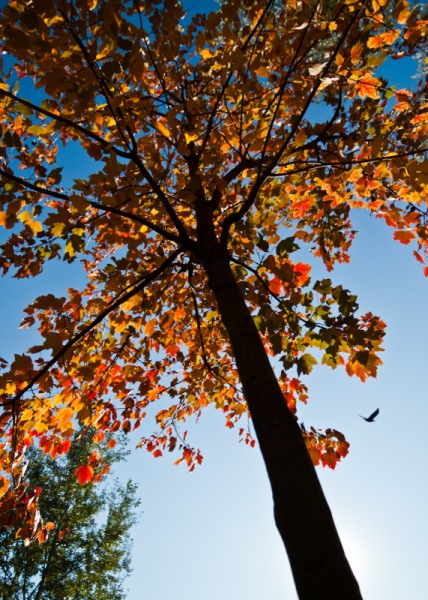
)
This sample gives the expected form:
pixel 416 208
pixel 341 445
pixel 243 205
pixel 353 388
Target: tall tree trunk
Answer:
pixel 302 515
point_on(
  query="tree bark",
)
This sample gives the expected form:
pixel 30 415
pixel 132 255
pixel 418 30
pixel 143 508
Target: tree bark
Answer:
pixel 302 515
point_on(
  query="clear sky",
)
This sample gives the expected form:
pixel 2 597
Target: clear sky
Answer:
pixel 210 534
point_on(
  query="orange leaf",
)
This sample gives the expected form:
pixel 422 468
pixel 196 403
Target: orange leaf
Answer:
pixel 356 52
pixel 405 236
pixel 367 87
pixel 64 416
pixel 41 536
pixel 302 271
pixel 99 436
pixel 84 474
pixel 150 327
pixel 172 350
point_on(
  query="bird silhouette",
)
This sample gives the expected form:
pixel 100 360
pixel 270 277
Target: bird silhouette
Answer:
pixel 372 417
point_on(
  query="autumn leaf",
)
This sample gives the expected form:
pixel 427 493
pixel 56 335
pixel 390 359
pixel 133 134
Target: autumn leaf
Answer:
pixel 162 129
pixel 275 285
pixel 404 236
pixel 84 474
pixel 367 87
pixel 172 349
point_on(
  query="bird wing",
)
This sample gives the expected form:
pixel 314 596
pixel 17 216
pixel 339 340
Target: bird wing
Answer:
pixel 373 415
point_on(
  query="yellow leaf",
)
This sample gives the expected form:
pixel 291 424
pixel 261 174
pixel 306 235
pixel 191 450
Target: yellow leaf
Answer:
pixel 69 248
pixel 27 415
pixel 58 229
pixel 190 137
pixel 35 226
pixel 25 216
pixel 162 129
pixel 206 53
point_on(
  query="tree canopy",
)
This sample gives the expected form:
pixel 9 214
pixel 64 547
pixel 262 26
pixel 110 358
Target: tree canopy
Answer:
pixel 217 145
pixel 87 554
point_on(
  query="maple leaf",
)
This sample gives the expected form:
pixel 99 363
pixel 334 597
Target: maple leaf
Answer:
pixel 367 87
pixel 405 236
pixel 84 474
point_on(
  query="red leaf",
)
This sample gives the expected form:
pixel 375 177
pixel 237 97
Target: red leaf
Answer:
pixel 151 374
pixel 302 271
pixel 65 447
pixel 84 474
pixel 275 285
pixel 172 350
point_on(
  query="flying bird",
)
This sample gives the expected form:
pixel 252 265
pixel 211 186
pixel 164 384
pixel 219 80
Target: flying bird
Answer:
pixel 372 417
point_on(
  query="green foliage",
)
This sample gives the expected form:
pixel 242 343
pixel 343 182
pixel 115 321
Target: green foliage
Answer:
pixel 87 555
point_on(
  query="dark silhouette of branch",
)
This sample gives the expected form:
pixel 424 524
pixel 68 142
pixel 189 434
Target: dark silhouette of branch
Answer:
pixel 109 209
pixel 103 314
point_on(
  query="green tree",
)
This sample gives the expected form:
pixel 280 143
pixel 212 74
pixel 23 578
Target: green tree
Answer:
pixel 87 555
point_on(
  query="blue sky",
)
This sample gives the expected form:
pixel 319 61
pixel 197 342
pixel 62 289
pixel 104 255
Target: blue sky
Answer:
pixel 210 534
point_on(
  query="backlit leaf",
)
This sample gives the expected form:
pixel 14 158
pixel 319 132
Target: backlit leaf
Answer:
pixel 84 474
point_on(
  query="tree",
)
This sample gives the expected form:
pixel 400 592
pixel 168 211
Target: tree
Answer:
pixel 87 553
pixel 216 145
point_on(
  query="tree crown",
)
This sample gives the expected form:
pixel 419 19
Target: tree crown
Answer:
pixel 258 128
